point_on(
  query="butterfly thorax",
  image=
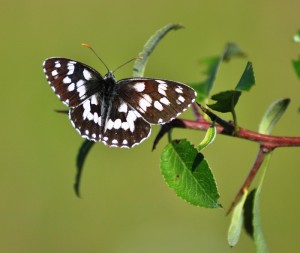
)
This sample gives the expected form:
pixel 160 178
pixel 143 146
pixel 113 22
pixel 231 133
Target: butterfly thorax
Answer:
pixel 108 95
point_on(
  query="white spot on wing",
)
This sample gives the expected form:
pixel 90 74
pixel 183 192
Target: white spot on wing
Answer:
pixel 57 64
pixel 160 81
pixel 71 87
pixel 117 124
pixel 96 118
pixel 80 83
pixel 125 126
pixel 87 74
pixel 109 124
pixel 67 80
pixel 143 103
pixel 163 86
pixel 139 87
pixel 158 106
pixel 162 92
pixel 148 98
pixel 181 98
pixel 178 89
pixel 71 68
pixel 114 141
pixel 165 101
pixel 87 111
pixel 90 116
pixel 131 117
pixel 94 100
pixel 123 107
pixel 81 90
pixel 54 73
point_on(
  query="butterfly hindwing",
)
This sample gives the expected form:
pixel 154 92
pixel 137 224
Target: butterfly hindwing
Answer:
pixel 114 123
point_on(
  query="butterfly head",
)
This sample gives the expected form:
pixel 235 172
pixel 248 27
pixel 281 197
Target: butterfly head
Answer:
pixel 110 76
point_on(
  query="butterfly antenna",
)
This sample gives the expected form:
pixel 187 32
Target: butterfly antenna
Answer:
pixel 135 58
pixel 88 46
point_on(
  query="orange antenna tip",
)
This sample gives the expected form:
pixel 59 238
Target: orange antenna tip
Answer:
pixel 86 45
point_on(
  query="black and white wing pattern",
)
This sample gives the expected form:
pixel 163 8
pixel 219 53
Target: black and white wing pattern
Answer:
pixel 117 113
pixel 158 101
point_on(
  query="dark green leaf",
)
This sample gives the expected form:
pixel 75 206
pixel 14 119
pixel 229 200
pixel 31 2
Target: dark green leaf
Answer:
pixel 296 65
pixel 272 115
pixel 247 80
pixel 188 173
pixel 236 223
pixel 226 101
pixel 82 154
pixel 248 213
pixel 140 64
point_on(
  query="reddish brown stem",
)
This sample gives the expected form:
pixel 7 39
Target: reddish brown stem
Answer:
pixel 268 141
pixel 197 114
pixel 258 162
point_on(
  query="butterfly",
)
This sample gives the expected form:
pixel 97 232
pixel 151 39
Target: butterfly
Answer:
pixel 116 113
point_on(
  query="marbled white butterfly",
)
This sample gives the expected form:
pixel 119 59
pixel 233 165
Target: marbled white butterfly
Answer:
pixel 117 113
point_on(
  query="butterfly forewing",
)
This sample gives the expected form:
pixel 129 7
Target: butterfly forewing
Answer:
pixel 158 101
pixel 72 81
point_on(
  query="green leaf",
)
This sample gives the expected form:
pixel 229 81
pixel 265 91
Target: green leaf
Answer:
pixel 272 115
pixel 188 173
pixel 209 138
pixel 296 37
pixel 254 224
pixel 212 65
pixel 296 65
pixel 247 80
pixel 226 101
pixel 82 154
pixel 236 223
pixel 140 64
pixel 232 50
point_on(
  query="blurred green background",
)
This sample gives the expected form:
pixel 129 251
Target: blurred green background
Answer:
pixel 126 205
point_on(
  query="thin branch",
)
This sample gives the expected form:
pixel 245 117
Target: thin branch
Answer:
pixel 258 162
pixel 197 114
pixel 268 141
